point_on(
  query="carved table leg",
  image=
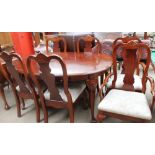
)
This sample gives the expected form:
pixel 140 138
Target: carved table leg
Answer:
pixel 92 84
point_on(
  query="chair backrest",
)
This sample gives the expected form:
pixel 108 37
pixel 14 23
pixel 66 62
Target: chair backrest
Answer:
pixel 44 64
pixel 12 74
pixel 126 40
pixel 58 42
pixel 88 43
pixel 130 57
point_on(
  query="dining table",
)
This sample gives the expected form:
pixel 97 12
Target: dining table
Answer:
pixel 86 66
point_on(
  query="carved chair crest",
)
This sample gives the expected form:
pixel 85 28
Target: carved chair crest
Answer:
pixel 130 56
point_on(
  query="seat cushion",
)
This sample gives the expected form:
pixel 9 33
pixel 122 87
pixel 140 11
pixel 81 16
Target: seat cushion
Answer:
pixel 126 103
pixel 119 82
pixel 75 89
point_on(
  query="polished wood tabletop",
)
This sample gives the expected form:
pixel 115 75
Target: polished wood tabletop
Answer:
pixel 78 64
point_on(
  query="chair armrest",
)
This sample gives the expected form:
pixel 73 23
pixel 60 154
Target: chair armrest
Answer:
pixel 151 80
pixel 153 101
pixel 143 65
pixel 104 84
pixel 152 84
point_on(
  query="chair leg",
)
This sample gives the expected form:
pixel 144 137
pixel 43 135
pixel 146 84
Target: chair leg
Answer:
pixel 101 81
pixel 8 85
pixel 85 102
pixel 98 89
pixel 6 106
pixel 17 102
pixel 37 109
pixel 45 117
pixel 100 116
pixel 44 111
pixel 23 103
pixel 71 114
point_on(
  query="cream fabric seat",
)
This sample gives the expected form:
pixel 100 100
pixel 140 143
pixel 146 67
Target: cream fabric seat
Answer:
pixel 119 82
pixel 127 103
pixel 75 90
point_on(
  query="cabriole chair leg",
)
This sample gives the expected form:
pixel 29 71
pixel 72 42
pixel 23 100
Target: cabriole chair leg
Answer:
pixel 6 106
pixel 100 117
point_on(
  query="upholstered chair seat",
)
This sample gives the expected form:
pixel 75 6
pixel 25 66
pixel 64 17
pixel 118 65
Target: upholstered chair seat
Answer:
pixel 119 82
pixel 75 89
pixel 126 103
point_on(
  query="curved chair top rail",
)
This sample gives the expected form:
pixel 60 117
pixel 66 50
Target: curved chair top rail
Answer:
pixel 56 40
pixel 127 39
pixel 88 40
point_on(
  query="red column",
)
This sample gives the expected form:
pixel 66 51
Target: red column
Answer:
pixel 23 43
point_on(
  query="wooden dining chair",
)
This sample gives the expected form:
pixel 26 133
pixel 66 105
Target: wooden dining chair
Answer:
pixel 124 102
pixel 59 43
pixel 3 84
pixel 91 44
pixel 120 77
pixel 21 84
pixel 58 95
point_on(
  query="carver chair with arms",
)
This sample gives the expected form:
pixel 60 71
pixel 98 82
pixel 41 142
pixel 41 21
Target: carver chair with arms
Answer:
pixel 124 102
pixel 59 94
pixel 120 77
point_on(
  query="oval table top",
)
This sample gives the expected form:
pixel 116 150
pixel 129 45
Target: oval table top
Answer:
pixel 78 64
